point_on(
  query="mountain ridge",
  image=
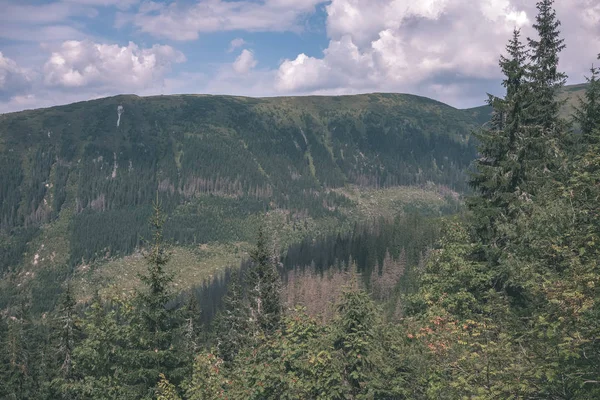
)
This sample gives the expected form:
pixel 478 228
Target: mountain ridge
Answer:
pixel 77 189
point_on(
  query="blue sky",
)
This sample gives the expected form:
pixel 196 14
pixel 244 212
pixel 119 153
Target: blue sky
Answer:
pixel 59 51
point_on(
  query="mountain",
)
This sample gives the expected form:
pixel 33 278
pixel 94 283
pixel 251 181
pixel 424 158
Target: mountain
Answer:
pixel 78 181
pixel 570 94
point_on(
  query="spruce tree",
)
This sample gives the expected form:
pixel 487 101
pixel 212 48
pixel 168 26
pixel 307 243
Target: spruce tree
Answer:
pixel 155 348
pixel 498 172
pixel 587 114
pixel 68 334
pixel 232 323
pixel 543 142
pixel 191 325
pixel 4 356
pixel 544 75
pixel 354 338
pixel 20 378
pixel 264 287
pixel 101 359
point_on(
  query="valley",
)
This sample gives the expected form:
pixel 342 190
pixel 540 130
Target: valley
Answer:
pixel 78 188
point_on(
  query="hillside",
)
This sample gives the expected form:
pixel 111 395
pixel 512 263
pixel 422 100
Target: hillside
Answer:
pixel 570 94
pixel 78 180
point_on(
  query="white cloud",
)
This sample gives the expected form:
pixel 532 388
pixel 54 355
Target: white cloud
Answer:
pixel 430 47
pixel 87 64
pixel 235 43
pixel 445 49
pixel 13 79
pixel 184 22
pixel 84 70
pixel 245 62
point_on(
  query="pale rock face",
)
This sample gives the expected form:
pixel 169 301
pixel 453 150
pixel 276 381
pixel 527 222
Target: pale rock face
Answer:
pixel 120 110
pixel 115 166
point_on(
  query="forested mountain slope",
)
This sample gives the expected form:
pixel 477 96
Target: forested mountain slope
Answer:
pixel 77 181
pixel 88 172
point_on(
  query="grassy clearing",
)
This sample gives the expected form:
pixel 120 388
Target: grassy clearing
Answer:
pixel 193 265
pixel 190 266
pixel 389 202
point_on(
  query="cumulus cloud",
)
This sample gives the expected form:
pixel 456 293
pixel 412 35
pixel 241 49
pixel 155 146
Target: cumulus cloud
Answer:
pixel 87 64
pixel 438 48
pixel 185 22
pixel 13 79
pixel 445 49
pixel 245 62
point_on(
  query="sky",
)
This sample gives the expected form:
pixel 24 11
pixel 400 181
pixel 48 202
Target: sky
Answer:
pixel 60 51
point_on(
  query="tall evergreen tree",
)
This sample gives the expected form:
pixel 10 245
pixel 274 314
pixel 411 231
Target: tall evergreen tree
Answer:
pixel 4 356
pixel 20 378
pixel 191 325
pixel 100 357
pixel 264 287
pixel 354 338
pixel 544 75
pixel 68 333
pixel 232 323
pixel 587 114
pixel 543 143
pixel 498 170
pixel 155 347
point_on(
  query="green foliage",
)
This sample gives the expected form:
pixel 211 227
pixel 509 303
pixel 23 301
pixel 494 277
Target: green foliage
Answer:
pixel 587 114
pixel 233 322
pixel 506 306
pixel 499 175
pixel 153 348
pixel 166 390
pixel 207 381
pixel 545 77
pixel 355 341
pixel 232 157
pixel 264 287
pixel 99 358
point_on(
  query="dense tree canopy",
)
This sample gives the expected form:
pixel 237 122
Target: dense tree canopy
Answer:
pixel 500 302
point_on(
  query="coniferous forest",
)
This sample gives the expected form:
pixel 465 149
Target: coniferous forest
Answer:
pixel 496 300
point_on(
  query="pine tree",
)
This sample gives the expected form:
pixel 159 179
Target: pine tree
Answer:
pixel 232 323
pixel 4 356
pixel 207 379
pixel 99 360
pixel 544 140
pixel 155 348
pixel 191 326
pixel 264 287
pixel 166 390
pixel 20 377
pixel 354 339
pixel 583 185
pixel 587 114
pixel 68 334
pixel 544 75
pixel 156 293
pixel 499 172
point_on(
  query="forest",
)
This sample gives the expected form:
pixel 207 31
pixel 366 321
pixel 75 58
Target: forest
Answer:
pixel 499 301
